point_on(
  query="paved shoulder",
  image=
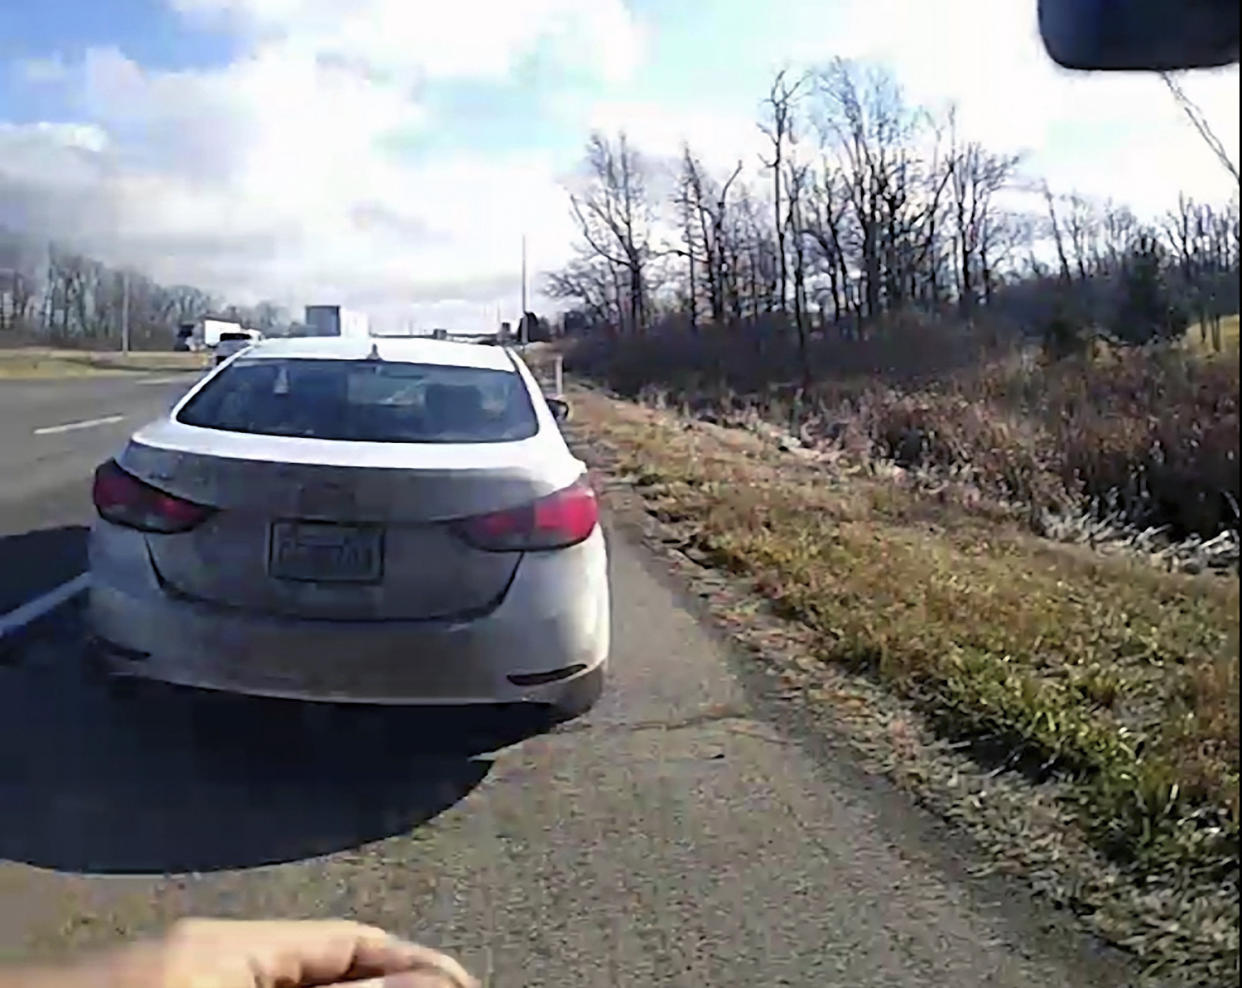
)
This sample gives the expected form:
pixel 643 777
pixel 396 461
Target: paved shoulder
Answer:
pixel 670 838
pixel 674 838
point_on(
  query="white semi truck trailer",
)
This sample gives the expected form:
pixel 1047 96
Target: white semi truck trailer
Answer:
pixel 204 334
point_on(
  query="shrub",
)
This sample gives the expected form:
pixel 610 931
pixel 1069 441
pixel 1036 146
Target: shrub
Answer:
pixel 1152 432
pixel 1064 335
pixel 1147 311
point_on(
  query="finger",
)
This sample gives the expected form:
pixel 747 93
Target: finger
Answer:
pixel 441 963
pixel 377 953
pixel 316 952
pixel 333 950
pixel 412 979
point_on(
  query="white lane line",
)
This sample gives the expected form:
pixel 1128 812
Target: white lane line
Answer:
pixel 166 380
pixel 49 430
pixel 32 610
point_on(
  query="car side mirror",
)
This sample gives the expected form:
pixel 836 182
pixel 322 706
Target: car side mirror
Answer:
pixel 559 408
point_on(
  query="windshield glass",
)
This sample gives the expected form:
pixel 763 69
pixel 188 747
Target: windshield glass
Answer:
pixel 365 402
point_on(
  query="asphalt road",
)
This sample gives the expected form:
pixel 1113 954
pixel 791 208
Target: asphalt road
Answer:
pixel 45 475
pixel 678 835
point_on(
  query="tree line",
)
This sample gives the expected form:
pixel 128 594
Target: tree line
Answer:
pixel 864 205
pixel 53 293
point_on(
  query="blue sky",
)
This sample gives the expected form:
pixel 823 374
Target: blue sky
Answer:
pixel 150 31
pixel 392 152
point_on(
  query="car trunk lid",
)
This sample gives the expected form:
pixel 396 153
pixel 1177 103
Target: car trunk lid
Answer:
pixel 330 530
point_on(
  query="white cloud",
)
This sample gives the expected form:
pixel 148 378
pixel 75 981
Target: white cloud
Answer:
pixel 281 173
pixel 51 68
pixel 276 175
pixel 1106 134
pixel 442 40
pixel 717 135
pixel 1117 135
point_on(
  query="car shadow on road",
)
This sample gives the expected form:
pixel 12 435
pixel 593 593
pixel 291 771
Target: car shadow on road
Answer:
pixel 34 562
pixel 166 780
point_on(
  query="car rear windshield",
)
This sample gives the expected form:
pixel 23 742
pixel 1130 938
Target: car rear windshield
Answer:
pixel 365 401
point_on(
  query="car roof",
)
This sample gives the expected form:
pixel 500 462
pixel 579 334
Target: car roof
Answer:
pixel 414 350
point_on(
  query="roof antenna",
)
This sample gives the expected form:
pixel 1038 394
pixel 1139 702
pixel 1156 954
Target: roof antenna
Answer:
pixel 374 354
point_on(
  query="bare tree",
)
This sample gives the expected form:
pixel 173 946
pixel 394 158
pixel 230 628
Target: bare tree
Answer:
pixel 267 316
pixel 894 212
pixel 865 125
pixel 781 107
pixel 689 203
pixel 1054 226
pixel 795 183
pixel 718 256
pixel 1118 228
pixel 976 175
pixel 185 303
pixel 615 218
pixel 704 207
pixel 588 281
pixel 1202 242
pixel 1002 234
pixel 19 286
pixel 826 226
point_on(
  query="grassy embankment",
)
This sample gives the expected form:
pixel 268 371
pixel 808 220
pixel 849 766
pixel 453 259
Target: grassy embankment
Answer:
pixel 902 532
pixel 46 362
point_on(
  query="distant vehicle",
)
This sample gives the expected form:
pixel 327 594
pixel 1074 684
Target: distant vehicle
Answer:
pixel 389 521
pixel 335 320
pixel 204 334
pixel 234 342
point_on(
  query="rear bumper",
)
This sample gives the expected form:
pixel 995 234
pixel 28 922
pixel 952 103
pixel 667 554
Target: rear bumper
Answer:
pixel 550 634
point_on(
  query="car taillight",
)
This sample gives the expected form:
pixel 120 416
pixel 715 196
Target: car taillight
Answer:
pixel 553 522
pixel 126 500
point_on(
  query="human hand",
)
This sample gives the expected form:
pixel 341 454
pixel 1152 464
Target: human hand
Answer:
pixel 213 953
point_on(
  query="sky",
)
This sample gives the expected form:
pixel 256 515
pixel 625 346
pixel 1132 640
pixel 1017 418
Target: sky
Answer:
pixel 391 154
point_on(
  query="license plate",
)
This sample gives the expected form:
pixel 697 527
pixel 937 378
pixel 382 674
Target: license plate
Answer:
pixel 330 553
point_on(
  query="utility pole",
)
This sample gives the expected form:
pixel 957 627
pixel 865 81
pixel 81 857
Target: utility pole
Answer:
pixel 125 312
pixel 525 329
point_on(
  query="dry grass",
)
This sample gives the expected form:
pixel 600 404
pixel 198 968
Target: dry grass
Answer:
pixel 1115 676
pixel 1149 436
pixel 1200 342
pixel 44 362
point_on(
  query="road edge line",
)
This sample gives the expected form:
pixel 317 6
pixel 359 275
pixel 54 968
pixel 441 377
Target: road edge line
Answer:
pixel 32 610
pixel 52 430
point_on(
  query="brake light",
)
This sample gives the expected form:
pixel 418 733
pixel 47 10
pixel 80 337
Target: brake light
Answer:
pixel 125 500
pixel 554 522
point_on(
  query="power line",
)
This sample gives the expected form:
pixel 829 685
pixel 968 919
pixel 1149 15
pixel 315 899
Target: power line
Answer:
pixel 1201 125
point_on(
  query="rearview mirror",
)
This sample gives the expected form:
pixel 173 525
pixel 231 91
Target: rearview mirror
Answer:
pixel 559 408
pixel 1156 35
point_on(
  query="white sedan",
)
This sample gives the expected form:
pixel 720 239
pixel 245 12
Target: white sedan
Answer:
pixel 368 520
